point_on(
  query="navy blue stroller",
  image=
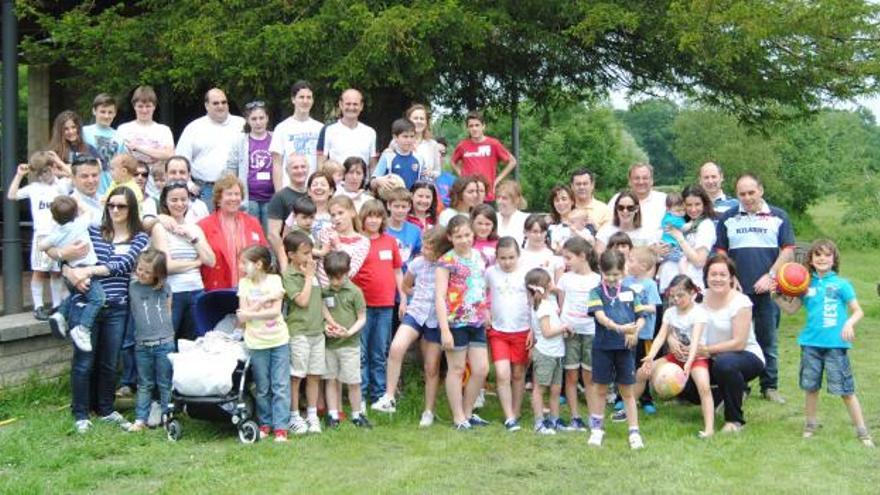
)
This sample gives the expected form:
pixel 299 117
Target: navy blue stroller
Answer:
pixel 237 406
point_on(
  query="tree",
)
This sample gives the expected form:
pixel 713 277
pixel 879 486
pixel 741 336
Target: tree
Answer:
pixel 650 123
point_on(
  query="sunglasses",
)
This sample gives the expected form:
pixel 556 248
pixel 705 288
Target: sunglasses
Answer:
pixel 117 206
pixel 629 208
pixel 255 104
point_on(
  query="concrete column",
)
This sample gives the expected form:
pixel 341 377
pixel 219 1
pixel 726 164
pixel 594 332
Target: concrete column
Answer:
pixel 39 120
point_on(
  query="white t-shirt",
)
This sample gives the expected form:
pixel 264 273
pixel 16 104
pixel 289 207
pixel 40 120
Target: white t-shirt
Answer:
pixel 296 136
pixel 652 210
pixel 41 196
pixel 207 145
pixel 514 227
pixel 560 233
pixel 428 152
pixel 152 135
pixel 639 237
pixel 509 299
pixel 545 259
pixel 197 211
pixel 682 325
pixel 702 237
pixel 577 296
pixel 341 142
pixel 720 329
pixel 554 346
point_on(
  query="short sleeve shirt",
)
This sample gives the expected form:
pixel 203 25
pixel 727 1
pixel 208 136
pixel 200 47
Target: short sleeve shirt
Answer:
pixel 344 305
pixel 509 300
pixel 481 158
pixel 376 276
pixel 466 293
pixel 263 334
pixel 719 324
pixel 302 321
pixel 548 346
pixel 341 142
pixel 647 289
pixel 407 167
pixel 826 302
pixel 622 305
pixel 299 137
pixel 682 325
pixel 421 307
pixel 577 289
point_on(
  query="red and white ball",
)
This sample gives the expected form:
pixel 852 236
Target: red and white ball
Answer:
pixel 667 380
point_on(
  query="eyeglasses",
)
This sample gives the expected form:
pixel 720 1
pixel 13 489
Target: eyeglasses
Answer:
pixel 255 104
pixel 117 206
pixel 630 208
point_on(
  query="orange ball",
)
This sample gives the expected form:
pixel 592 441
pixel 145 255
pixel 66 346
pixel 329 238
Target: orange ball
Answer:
pixel 793 279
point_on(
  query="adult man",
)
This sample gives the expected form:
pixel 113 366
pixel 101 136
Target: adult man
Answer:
pixel 711 177
pixel 583 185
pixel 86 175
pixel 652 204
pixel 297 134
pixel 282 201
pixel 759 238
pixel 178 168
pixel 206 142
pixel 347 136
pixel 149 141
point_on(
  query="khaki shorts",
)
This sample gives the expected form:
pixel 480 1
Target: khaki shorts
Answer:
pixel 343 364
pixel 578 352
pixel 307 355
pixel 547 370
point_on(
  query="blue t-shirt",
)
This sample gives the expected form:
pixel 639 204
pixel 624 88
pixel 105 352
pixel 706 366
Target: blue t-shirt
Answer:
pixel 647 288
pixel 674 221
pixel 826 303
pixel 620 304
pixel 409 241
pixel 408 167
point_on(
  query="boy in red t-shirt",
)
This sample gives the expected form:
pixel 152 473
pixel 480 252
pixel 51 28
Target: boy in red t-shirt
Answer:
pixel 480 154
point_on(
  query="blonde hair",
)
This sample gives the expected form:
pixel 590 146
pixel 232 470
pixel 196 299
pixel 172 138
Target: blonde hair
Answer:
pixel 39 162
pixel 644 255
pixel 332 167
pixel 512 189
pixel 126 161
pixel 346 203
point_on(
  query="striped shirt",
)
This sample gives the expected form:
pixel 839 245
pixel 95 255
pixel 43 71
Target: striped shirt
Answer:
pixel 180 249
pixel 120 259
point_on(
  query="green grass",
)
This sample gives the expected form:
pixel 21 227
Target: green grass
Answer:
pixel 40 453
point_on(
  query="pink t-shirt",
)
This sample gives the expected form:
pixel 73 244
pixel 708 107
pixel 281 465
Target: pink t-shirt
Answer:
pixel 481 158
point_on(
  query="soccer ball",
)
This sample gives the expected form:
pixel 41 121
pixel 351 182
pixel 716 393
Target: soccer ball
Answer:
pixel 667 380
pixel 793 279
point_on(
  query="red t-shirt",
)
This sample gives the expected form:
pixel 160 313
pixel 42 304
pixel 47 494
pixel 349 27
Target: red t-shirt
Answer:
pixel 481 158
pixel 376 276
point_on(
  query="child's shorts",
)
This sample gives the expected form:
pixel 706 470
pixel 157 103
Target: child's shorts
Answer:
pixel 835 362
pixel 614 366
pixel 578 352
pixel 509 346
pixel 40 261
pixel 547 369
pixel 699 362
pixel 464 337
pixel 431 334
pixel 307 355
pixel 343 364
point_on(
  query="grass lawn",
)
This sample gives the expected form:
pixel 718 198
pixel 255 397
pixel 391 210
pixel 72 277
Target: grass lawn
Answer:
pixel 40 453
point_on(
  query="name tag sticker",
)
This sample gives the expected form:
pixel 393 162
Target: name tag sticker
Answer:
pixel 264 176
pixel 626 296
pixel 385 255
pixel 255 237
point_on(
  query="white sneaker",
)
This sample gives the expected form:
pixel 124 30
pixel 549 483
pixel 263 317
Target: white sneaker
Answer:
pixel 314 425
pixel 635 441
pixel 596 437
pixel 58 325
pixel 82 426
pixel 82 338
pixel 117 418
pixel 385 404
pixel 298 425
pixel 155 417
pixel 481 399
pixel 427 419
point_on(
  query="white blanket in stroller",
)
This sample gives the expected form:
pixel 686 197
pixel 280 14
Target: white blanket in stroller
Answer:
pixel 204 367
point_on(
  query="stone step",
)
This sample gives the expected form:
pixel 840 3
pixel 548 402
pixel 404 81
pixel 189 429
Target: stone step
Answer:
pixel 28 349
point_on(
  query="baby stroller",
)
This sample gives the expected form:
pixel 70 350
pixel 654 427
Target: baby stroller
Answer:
pixel 236 406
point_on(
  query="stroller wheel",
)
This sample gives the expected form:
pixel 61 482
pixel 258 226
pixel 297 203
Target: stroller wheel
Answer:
pixel 248 432
pixel 174 430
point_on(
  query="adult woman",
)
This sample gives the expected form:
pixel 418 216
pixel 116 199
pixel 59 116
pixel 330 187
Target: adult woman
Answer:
pixel 463 196
pixel 627 219
pixel 561 203
pixel 117 243
pixel 251 161
pixel 511 218
pixel 187 251
pixel 426 147
pixel 353 184
pixel 730 340
pixel 697 243
pixel 228 231
pixel 67 143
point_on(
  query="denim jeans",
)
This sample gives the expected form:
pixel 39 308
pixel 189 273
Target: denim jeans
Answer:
pixel 765 315
pixel 375 339
pixel 182 317
pixel 271 371
pixel 106 342
pixel 129 364
pixel 94 300
pixel 259 210
pixel 154 370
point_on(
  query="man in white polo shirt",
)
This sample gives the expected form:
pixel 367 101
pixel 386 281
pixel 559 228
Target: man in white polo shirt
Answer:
pixel 206 142
pixel 652 204
pixel 295 135
pixel 347 136
pixel 711 178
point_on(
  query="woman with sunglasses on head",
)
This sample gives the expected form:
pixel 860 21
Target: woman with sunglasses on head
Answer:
pixel 186 250
pixel 627 219
pixel 251 161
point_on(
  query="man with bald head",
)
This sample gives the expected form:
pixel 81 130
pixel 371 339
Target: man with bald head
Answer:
pixel 282 202
pixel 348 136
pixel 711 177
pixel 207 140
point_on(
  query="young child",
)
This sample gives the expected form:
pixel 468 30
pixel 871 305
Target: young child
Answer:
pixel 345 312
pixel 674 219
pixel 619 315
pixel 399 161
pixel 122 170
pixel 620 242
pixel 150 302
pixel 536 254
pixel 509 330
pixel 408 236
pixel 305 323
pixel 686 320
pixel 380 278
pixel 335 169
pixel 102 137
pixel 460 301
pixel 549 349
pixel 260 294
pixel 576 225
pixel 484 222
pixel 574 288
pixel 73 228
pixel 425 205
pixel 420 321
pixel 41 191
pixel 343 234
pixel 832 314
pixel 480 154
pixel 303 215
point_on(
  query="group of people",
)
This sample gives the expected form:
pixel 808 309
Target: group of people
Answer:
pixel 345 254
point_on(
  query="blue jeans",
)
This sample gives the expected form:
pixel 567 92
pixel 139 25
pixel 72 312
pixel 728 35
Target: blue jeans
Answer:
pixel 206 193
pixel 375 339
pixel 154 370
pixel 765 315
pixel 259 210
pixel 271 371
pixel 106 342
pixel 182 317
pixel 129 364
pixel 94 299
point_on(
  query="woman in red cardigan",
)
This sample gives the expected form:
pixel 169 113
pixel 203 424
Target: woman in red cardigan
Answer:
pixel 229 231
